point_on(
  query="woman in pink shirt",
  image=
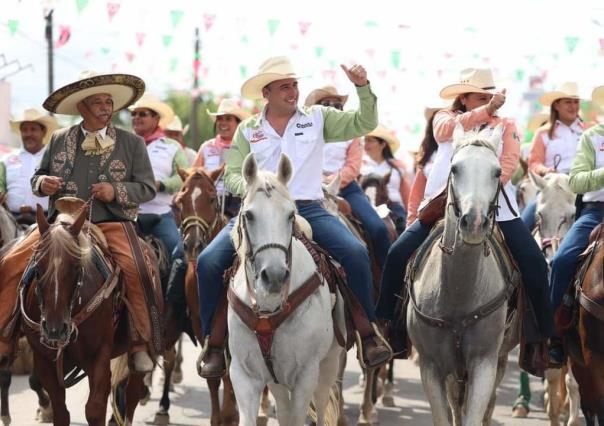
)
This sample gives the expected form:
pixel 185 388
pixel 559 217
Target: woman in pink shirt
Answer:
pixel 475 105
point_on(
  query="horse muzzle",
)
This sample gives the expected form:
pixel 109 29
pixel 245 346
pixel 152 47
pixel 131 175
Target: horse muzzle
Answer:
pixel 272 278
pixel 55 331
pixel 473 226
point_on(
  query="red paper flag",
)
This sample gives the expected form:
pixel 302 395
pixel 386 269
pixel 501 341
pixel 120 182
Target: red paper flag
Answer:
pixel 304 27
pixel 64 35
pixel 130 56
pixel 112 9
pixel 208 20
pixel 140 39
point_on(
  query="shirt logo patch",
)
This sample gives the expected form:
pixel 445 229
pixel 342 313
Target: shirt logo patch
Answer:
pixel 257 136
pixel 303 125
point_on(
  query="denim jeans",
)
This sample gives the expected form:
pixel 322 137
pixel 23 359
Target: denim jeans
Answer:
pixel 328 232
pixel 167 231
pixel 373 224
pixel 565 262
pixel 528 214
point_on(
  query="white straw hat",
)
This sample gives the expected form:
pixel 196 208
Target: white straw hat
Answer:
pixel 471 80
pixel 273 69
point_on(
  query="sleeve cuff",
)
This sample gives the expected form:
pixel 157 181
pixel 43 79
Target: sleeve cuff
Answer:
pixel 364 91
pixel 36 187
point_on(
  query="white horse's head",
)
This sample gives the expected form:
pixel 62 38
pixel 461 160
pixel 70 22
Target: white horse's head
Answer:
pixel 555 206
pixel 474 181
pixel 266 224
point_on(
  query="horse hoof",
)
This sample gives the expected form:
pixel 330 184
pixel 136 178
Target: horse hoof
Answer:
pixel 161 419
pixel 388 401
pixel 177 377
pixel 146 397
pixel 520 412
pixel 5 420
pixel 262 421
pixel 44 414
pixel 343 420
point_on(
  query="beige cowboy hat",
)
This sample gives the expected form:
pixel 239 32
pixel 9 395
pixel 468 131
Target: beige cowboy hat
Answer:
pixel 152 102
pixel 597 96
pixel 565 90
pixel 383 133
pixel 229 107
pixel 123 88
pixel 538 119
pixel 273 69
pixel 33 115
pixel 471 80
pixel 318 95
pixel 176 126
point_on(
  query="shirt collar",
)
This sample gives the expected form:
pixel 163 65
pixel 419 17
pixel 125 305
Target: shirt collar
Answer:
pixel 102 132
pixel 576 126
pixel 299 111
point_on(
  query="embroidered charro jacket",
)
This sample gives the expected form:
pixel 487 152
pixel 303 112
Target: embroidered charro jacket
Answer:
pixel 125 165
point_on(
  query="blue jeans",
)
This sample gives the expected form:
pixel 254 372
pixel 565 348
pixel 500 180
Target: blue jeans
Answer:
pixel 565 262
pixel 528 215
pixel 396 265
pixel 373 224
pixel 167 231
pixel 328 232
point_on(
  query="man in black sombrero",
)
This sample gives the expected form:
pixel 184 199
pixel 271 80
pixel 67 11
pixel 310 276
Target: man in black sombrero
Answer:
pixel 94 160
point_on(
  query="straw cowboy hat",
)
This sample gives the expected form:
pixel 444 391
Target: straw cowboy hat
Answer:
pixel 152 102
pixel 273 69
pixel 318 95
pixel 383 133
pixel 564 90
pixel 33 115
pixel 229 107
pixel 537 120
pixel 471 80
pixel 176 126
pixel 597 96
pixel 123 88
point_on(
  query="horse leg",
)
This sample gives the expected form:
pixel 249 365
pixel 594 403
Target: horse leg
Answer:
pixel 455 397
pixel 501 366
pixel 301 395
pixel 328 374
pixel 343 418
pixel 521 405
pixel 162 416
pixel 482 373
pixel 367 415
pixel 572 388
pixel 135 390
pixel 214 387
pixel 387 398
pixel 5 381
pixel 177 372
pixel 434 386
pixel 229 412
pixel 99 382
pixel 552 386
pixel 44 413
pixel 283 403
pixel 265 404
pixel 45 370
pixel 247 391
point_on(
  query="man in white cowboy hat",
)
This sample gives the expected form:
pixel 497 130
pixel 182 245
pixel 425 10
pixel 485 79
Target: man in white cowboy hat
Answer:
pixel 35 129
pixel 345 158
pixel 174 130
pixel 95 161
pixel 149 115
pixel 283 127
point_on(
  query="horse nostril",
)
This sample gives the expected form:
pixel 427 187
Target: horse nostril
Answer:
pixel 43 326
pixel 286 276
pixel 464 221
pixel 264 275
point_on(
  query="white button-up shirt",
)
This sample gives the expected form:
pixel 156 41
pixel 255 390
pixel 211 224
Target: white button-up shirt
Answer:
pixel 20 167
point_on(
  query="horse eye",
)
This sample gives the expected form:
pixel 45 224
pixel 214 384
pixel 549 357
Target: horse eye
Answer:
pixel 292 215
pixel 248 215
pixel 454 169
pixel 498 173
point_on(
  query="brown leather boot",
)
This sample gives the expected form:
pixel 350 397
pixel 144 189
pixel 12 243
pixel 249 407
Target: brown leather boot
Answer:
pixel 211 363
pixel 374 350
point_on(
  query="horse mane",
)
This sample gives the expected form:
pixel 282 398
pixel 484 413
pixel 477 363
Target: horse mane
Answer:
pixel 473 138
pixel 59 242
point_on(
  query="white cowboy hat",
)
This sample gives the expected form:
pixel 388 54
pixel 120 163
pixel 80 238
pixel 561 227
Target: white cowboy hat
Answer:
pixel 229 107
pixel 565 90
pixel 152 102
pixel 123 88
pixel 318 95
pixel 538 119
pixel 33 115
pixel 383 133
pixel 273 69
pixel 176 126
pixel 471 80
pixel 597 96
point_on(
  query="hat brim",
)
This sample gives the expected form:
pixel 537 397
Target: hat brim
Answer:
pixel 252 88
pixel 597 96
pixel 49 123
pixel 125 89
pixel 318 95
pixel 454 90
pixel 390 139
pixel 238 112
pixel 536 121
pixel 548 98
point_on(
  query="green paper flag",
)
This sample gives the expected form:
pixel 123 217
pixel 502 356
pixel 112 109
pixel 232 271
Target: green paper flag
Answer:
pixel 571 43
pixel 176 16
pixel 332 64
pixel 396 58
pixel 272 26
pixel 105 50
pixel 519 74
pixel 173 64
pixel 81 5
pixel 470 29
pixel 319 51
pixel 167 40
pixel 244 39
pixel 13 24
pixel 371 24
pixel 243 71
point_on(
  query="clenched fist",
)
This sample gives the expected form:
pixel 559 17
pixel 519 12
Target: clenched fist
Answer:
pixel 103 191
pixel 50 185
pixel 496 102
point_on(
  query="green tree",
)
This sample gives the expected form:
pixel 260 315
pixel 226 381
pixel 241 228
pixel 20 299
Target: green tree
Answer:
pixel 182 104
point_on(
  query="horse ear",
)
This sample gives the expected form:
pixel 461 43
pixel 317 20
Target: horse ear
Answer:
pixel 76 226
pixel 495 139
pixel 334 186
pixel 182 173
pixel 537 180
pixel 285 169
pixel 387 178
pixel 250 168
pixel 41 220
pixel 215 174
pixel 458 133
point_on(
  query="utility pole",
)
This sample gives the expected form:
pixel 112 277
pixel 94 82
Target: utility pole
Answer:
pixel 196 96
pixel 51 76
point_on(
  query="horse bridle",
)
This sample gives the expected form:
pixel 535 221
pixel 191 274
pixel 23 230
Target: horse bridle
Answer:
pixel 553 242
pixel 250 256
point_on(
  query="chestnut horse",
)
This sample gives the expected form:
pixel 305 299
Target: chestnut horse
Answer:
pixel 69 318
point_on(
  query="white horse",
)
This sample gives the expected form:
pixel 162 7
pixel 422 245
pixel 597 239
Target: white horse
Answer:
pixel 457 315
pixel 555 215
pixel 301 362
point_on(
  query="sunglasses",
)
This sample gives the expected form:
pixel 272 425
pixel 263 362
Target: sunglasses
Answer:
pixel 141 114
pixel 336 105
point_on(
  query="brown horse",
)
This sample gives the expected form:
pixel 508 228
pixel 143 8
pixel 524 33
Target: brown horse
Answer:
pixel 69 315
pixel 583 334
pixel 200 221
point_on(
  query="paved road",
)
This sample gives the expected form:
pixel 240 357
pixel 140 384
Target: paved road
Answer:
pixel 191 399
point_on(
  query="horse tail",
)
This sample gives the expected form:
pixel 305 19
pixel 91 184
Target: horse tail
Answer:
pixel 119 370
pixel 332 410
